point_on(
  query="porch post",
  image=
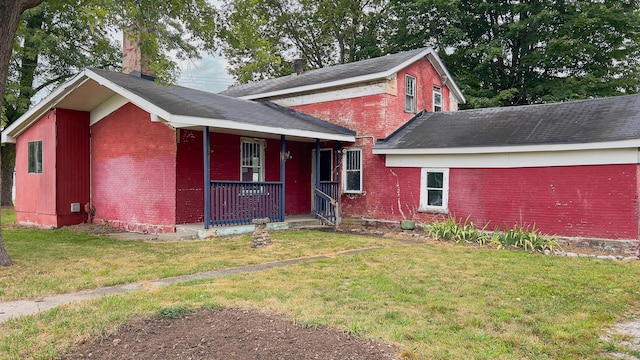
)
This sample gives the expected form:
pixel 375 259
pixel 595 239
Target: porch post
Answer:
pixel 207 177
pixel 282 173
pixel 317 174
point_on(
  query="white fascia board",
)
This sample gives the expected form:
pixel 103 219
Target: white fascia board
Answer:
pixel 352 80
pixel 35 113
pixel 112 104
pixel 133 98
pixel 635 143
pixel 517 160
pixel 451 84
pixel 188 121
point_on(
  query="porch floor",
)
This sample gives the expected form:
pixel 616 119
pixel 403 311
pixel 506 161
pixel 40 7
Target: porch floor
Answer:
pixel 294 221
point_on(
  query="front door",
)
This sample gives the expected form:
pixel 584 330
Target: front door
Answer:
pixel 326 171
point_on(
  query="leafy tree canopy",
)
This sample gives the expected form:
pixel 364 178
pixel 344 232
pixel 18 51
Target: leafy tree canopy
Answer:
pixel 500 52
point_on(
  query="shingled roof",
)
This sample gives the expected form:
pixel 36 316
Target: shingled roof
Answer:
pixel 180 107
pixel 602 120
pixel 339 75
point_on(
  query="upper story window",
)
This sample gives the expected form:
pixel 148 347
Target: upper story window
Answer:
pixel 437 98
pixel 352 170
pixel 35 157
pixel 434 190
pixel 410 94
pixel 252 160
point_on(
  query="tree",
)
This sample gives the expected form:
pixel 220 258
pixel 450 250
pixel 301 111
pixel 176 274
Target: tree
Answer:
pixel 258 36
pixel 10 11
pixel 519 52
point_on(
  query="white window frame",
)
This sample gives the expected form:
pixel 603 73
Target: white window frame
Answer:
pixel 424 191
pixel 410 86
pixel 261 143
pixel 345 170
pixel 437 107
pixel 36 145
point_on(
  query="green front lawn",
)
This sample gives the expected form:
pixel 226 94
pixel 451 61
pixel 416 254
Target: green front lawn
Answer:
pixel 436 301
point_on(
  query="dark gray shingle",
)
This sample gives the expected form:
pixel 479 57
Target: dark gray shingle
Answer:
pixel 575 122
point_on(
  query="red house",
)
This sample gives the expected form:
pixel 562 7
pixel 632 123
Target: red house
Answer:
pixel 142 156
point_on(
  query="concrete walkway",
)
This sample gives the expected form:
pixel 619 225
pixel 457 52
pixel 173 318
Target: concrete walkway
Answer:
pixel 13 309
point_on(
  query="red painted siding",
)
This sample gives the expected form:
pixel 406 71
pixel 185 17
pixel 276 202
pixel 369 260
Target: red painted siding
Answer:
pixel 225 165
pixel 134 171
pixel 72 165
pixel 35 193
pixel 576 201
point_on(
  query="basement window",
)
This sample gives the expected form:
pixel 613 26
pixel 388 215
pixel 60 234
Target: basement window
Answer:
pixel 434 190
pixel 410 94
pixel 35 157
pixel 352 179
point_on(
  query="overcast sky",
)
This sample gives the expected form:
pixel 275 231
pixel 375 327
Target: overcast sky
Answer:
pixel 208 73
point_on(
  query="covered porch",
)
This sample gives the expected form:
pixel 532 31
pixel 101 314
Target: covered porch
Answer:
pixel 251 172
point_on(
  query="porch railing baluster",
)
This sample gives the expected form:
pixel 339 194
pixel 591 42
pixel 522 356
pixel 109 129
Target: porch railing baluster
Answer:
pixel 237 202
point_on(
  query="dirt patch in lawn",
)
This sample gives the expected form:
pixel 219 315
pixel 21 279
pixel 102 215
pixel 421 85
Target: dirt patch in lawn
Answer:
pixel 229 334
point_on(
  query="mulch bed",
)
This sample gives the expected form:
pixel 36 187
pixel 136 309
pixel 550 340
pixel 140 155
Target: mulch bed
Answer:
pixel 229 334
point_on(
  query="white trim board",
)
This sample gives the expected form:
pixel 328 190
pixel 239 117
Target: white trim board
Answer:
pixel 517 160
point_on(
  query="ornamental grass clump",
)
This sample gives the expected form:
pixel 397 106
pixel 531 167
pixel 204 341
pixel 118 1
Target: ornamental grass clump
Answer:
pixel 451 229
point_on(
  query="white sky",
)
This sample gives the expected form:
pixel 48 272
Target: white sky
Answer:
pixel 208 74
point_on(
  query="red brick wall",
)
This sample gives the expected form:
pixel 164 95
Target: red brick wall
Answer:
pixel 374 117
pixel 576 201
pixel 225 165
pixel 582 201
pixel 36 193
pixel 134 171
pixel 72 165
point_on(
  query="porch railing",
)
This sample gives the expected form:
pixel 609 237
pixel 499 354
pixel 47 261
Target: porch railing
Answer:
pixel 237 202
pixel 326 202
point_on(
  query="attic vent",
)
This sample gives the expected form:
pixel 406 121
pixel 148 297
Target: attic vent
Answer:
pixel 297 66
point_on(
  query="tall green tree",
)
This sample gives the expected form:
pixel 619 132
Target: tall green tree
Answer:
pixel 517 52
pixel 10 11
pixel 261 37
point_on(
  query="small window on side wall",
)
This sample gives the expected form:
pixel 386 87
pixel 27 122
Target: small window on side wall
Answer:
pixel 434 190
pixel 252 160
pixel 410 94
pixel 352 176
pixel 35 157
pixel 437 98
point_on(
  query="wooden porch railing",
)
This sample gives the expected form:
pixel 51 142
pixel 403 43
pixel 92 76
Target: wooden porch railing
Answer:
pixel 326 202
pixel 237 202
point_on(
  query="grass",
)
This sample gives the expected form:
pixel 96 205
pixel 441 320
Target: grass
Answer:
pixel 59 261
pixel 436 302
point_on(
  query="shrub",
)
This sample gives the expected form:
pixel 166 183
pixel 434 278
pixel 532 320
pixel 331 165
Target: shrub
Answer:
pixel 518 237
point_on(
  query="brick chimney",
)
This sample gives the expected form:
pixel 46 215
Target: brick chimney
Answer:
pixel 133 60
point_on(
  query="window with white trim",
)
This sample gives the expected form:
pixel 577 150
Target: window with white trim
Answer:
pixel 437 98
pixel 434 190
pixel 35 157
pixel 410 94
pixel 352 170
pixel 252 160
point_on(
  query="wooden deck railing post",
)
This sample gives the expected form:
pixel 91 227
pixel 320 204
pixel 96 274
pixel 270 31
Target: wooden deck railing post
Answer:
pixel 207 177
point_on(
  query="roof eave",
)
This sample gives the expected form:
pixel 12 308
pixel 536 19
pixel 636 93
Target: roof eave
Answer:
pixel 32 115
pixel 634 143
pixel 189 121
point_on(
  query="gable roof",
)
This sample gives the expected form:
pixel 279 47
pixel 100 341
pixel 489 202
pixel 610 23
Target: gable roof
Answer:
pixel 343 74
pixel 576 125
pixel 178 106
